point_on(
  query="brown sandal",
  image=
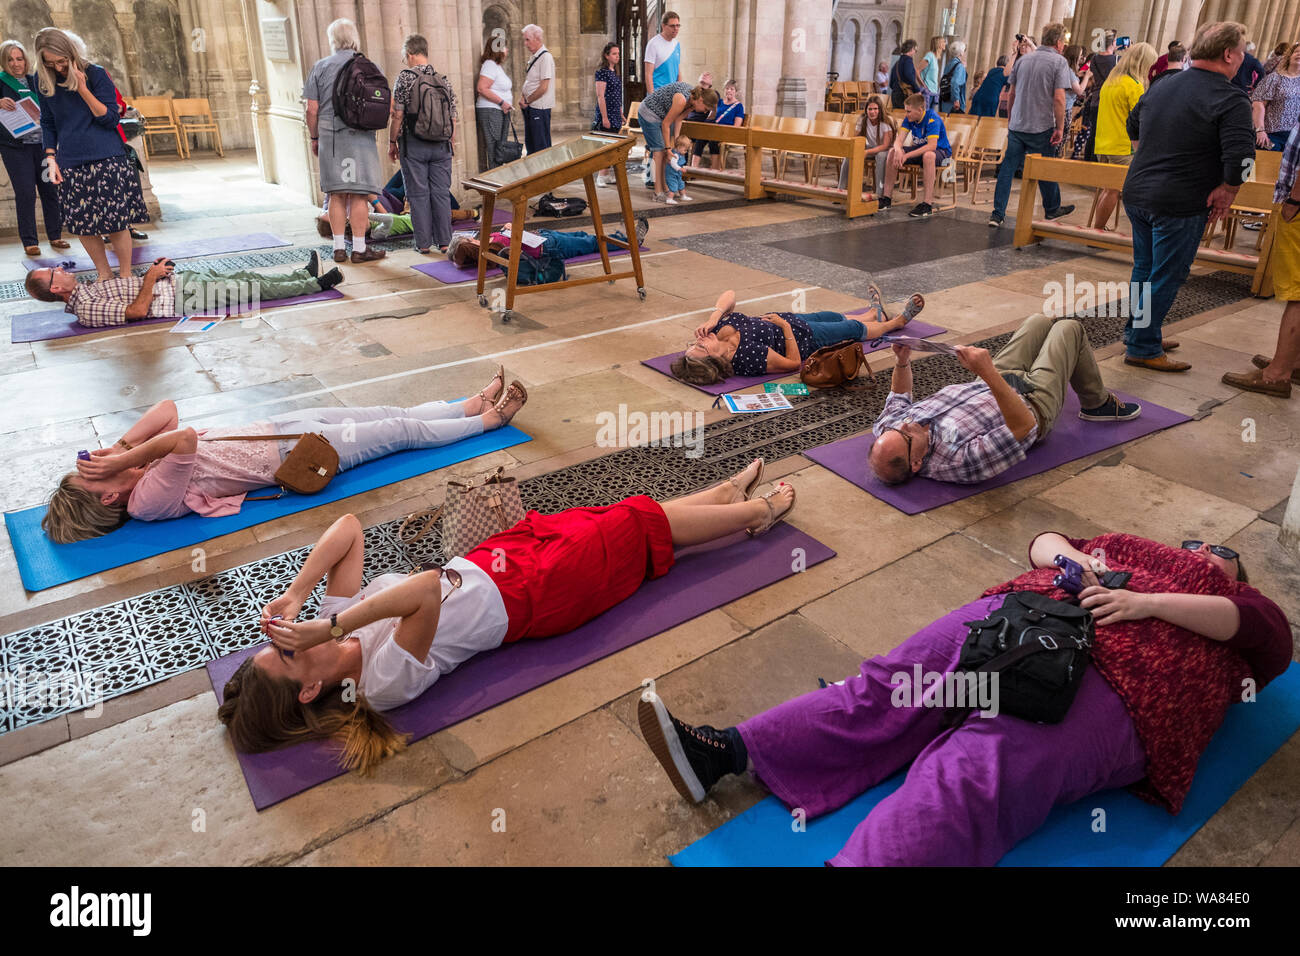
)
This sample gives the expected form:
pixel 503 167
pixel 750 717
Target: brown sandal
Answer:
pixel 747 491
pixel 513 393
pixel 499 374
pixel 772 517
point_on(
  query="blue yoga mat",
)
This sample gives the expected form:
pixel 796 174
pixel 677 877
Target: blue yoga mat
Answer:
pixel 1137 833
pixel 43 564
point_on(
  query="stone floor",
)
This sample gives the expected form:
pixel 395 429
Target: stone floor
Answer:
pixel 566 761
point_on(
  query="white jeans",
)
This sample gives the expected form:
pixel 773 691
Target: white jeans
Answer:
pixel 364 434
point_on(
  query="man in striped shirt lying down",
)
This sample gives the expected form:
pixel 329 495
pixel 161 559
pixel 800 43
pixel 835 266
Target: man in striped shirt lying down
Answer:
pixel 970 432
pixel 162 291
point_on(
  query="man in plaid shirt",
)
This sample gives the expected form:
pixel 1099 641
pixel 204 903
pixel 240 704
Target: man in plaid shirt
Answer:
pixel 160 293
pixel 967 433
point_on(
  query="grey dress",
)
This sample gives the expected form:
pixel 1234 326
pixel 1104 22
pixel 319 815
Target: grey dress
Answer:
pixel 349 159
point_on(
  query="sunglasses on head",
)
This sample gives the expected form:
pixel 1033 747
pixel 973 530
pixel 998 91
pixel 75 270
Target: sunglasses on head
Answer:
pixel 1216 549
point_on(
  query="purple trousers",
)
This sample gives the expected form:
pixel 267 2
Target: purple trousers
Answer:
pixel 972 791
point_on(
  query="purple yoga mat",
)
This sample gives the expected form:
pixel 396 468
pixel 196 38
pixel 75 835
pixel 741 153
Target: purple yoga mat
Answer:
pixel 1071 438
pixel 50 324
pixel 663 364
pixel 444 270
pixel 701 580
pixel 174 249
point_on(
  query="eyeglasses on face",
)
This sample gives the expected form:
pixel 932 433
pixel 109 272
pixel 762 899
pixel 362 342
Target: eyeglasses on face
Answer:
pixel 1216 549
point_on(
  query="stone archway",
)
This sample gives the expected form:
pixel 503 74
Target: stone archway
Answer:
pixel 505 16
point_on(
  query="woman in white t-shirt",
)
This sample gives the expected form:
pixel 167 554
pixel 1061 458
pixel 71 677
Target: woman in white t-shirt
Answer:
pixel 495 99
pixel 375 648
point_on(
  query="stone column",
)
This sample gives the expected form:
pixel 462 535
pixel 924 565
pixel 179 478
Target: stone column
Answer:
pixel 126 29
pixel 792 93
pixel 991 16
pixel 1189 12
pixel 865 68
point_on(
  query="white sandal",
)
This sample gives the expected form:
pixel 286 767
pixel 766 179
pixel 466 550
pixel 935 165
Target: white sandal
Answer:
pixel 772 517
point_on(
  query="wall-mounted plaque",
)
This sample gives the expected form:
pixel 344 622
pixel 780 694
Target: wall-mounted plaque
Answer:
pixel 592 16
pixel 275 39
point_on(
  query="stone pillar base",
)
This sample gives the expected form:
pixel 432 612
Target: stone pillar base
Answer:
pixel 792 96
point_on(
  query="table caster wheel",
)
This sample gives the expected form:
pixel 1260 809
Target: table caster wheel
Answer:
pixel 482 301
pixel 507 315
pixel 641 293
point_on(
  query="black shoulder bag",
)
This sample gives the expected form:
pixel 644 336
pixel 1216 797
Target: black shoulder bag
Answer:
pixel 1039 648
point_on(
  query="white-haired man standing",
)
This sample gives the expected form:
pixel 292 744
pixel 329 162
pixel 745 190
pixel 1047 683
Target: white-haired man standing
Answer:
pixel 538 91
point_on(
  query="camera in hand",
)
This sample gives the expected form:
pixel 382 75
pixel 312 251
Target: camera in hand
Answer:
pixel 1071 577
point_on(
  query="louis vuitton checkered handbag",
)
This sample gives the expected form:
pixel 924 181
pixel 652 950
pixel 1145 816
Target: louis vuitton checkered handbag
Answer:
pixel 473 511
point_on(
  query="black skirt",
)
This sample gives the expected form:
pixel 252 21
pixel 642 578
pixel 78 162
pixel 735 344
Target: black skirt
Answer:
pixel 102 197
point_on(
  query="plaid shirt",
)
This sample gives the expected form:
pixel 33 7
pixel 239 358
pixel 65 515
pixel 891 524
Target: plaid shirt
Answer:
pixel 969 438
pixel 1286 172
pixel 101 304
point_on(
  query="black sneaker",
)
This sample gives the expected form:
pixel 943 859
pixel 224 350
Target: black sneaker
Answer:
pixel 1060 212
pixel 313 263
pixel 642 227
pixel 995 221
pixel 1112 410
pixel 922 210
pixel 884 202
pixel 330 279
pixel 695 758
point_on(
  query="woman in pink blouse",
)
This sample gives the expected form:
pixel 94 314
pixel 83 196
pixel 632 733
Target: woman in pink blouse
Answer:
pixel 159 470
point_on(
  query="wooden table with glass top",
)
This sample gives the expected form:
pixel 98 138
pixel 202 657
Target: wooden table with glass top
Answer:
pixel 539 173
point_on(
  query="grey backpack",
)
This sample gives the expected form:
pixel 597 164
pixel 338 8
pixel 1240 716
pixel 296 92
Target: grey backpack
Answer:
pixel 429 109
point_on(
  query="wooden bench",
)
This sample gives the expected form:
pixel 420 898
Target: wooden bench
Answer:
pixel 1107 176
pixel 755 185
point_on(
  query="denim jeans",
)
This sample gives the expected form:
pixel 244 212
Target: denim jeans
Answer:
pixel 832 328
pixel 566 245
pixel 1163 250
pixel 1018 145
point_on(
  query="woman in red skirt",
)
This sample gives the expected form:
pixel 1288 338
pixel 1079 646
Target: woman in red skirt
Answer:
pixel 375 648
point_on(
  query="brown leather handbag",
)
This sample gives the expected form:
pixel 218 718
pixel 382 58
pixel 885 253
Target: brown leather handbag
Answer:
pixel 836 365
pixel 308 467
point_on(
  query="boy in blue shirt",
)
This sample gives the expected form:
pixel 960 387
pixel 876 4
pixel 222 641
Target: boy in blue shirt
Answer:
pixel 933 152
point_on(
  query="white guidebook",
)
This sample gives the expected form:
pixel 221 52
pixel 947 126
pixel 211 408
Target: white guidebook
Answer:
pixel 756 402
pixel 197 323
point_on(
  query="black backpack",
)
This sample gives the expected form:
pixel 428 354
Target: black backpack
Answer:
pixel 362 99
pixel 1039 648
pixel 945 84
pixel 551 205
pixel 429 108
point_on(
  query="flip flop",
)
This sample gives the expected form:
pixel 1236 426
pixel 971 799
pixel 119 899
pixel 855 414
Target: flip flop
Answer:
pixel 772 517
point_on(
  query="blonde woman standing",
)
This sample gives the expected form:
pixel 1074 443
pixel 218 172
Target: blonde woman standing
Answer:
pixel 1275 103
pixel 99 192
pixel 1119 94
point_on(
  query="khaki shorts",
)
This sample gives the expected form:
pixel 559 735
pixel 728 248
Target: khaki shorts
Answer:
pixel 1286 258
pixel 1115 160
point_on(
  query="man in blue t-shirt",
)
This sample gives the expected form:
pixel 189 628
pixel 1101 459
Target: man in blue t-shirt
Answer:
pixel 929 149
pixel 663 65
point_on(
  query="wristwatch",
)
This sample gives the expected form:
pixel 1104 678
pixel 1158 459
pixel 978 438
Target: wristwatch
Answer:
pixel 336 632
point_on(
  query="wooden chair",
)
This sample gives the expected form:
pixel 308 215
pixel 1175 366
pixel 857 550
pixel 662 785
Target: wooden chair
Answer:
pixel 787 124
pixel 1268 164
pixel 729 148
pixel 159 120
pixel 195 118
pixel 815 127
pixel 764 122
pixel 631 125
pixel 986 147
pixel 914 174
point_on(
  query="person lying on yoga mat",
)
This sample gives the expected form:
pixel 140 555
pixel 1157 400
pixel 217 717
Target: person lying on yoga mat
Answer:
pixel 375 648
pixel 967 433
pixel 1184 640
pixel 731 343
pixel 162 291
pixel 159 470
pixel 464 247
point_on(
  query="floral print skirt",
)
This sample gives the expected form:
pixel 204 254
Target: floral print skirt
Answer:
pixel 102 197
